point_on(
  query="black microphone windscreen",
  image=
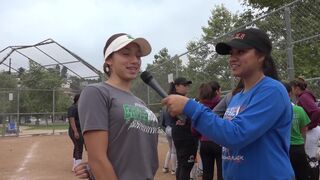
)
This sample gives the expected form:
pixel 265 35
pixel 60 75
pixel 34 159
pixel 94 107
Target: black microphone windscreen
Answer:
pixel 146 77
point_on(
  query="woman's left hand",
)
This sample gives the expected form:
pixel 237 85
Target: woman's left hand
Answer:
pixel 175 104
pixel 81 170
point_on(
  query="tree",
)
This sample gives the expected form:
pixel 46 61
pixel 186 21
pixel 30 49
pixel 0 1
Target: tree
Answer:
pixel 269 4
pixel 304 18
pixel 162 65
pixel 64 72
pixel 21 70
pixel 41 84
pixel 8 84
pixel 204 64
pixel 221 22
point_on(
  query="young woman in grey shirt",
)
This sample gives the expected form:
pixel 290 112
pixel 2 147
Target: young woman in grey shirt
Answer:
pixel 120 132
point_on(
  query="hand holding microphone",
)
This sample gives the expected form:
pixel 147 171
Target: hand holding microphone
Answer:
pixel 174 103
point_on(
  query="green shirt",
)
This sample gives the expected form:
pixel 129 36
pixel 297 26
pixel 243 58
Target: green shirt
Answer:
pixel 300 120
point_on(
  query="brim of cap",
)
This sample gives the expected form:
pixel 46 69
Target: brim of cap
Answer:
pixel 188 82
pixel 144 45
pixel 224 48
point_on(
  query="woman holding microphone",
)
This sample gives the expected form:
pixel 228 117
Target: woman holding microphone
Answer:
pixel 255 129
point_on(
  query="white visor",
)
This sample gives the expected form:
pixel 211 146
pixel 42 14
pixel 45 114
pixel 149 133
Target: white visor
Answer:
pixel 124 40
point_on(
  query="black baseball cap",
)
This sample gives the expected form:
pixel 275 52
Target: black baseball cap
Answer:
pixel 182 80
pixel 246 39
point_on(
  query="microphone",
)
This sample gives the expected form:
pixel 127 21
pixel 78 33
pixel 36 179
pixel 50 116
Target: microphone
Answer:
pixel 149 80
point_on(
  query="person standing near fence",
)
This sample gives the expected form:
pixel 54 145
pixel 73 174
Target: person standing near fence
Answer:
pixel 75 132
pixel 299 128
pixel 255 130
pixel 185 142
pixel 307 100
pixel 171 157
pixel 120 132
pixel 312 149
pixel 210 152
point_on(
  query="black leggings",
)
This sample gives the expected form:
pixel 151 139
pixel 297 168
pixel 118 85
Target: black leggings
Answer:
pixel 314 168
pixel 186 153
pixel 299 162
pixel 78 144
pixel 211 152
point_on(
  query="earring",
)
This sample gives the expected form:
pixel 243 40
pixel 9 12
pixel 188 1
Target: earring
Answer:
pixel 107 68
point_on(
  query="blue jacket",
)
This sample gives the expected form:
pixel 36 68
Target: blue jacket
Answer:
pixel 255 132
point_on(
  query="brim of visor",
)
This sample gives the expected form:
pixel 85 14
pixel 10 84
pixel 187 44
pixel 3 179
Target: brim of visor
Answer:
pixel 144 45
pixel 224 48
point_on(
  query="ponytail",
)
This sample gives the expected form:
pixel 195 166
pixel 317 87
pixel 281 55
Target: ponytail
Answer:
pixel 269 68
pixel 76 98
pixel 172 88
pixel 238 88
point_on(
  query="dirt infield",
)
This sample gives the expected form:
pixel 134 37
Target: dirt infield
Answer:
pixel 47 157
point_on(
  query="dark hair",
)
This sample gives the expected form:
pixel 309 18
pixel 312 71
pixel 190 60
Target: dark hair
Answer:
pixel 269 68
pixel 208 90
pixel 109 41
pixel 76 98
pixel 287 86
pixel 172 88
pixel 299 82
pixel 215 86
pixel 238 88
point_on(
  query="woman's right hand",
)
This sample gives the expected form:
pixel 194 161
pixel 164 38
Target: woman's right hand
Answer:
pixel 76 135
pixel 81 170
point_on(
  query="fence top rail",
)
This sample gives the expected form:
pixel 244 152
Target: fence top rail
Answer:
pixel 214 39
pixel 33 113
pixel 30 89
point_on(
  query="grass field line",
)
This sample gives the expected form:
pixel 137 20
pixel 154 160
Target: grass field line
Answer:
pixel 26 160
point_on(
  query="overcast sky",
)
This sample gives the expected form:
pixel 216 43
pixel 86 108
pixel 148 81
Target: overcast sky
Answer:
pixel 83 26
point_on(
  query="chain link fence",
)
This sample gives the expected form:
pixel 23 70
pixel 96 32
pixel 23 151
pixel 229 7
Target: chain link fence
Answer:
pixel 293 28
pixel 34 111
pixel 294 31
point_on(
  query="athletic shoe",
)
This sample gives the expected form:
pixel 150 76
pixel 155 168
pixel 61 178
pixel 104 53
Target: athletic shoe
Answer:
pixel 165 170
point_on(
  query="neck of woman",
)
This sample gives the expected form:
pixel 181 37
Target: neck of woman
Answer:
pixel 119 83
pixel 252 80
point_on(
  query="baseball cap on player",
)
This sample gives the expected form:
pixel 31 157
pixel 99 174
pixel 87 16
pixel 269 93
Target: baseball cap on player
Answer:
pixel 118 41
pixel 246 39
pixel 182 80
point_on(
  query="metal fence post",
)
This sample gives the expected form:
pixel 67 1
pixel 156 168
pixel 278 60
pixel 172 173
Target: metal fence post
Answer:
pixel 3 125
pixel 18 110
pixel 289 43
pixel 53 109
pixel 177 68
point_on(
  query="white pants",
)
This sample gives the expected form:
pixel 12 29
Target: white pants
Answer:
pixel 171 154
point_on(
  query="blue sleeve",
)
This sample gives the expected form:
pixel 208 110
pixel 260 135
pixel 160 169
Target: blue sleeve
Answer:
pixel 264 109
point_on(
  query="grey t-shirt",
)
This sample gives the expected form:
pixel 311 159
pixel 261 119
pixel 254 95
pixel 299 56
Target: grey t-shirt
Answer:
pixel 222 106
pixel 132 128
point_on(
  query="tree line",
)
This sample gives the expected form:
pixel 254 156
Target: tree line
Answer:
pixel 202 64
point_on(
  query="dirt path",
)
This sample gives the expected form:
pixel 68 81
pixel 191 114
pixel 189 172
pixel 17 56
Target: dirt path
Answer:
pixel 47 157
